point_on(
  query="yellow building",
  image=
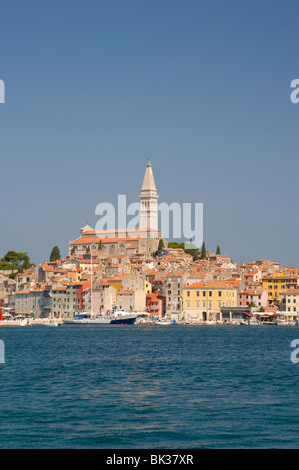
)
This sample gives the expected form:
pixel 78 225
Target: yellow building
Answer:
pixel 202 301
pixel 278 282
pixel 147 287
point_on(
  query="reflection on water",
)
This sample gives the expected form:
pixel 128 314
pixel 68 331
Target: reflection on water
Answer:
pixel 181 387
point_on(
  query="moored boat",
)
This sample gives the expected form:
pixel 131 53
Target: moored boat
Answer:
pixel 164 322
pixel 281 322
pixel 119 317
pixel 253 321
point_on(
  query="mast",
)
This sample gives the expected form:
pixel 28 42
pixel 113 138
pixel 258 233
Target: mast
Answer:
pixel 91 283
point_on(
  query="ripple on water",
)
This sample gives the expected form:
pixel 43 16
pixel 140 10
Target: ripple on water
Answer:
pixel 103 387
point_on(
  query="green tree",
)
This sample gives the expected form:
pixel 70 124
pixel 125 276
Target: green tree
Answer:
pixel 161 244
pixel 218 250
pixel 88 249
pixel 16 262
pixel 73 251
pixel 261 309
pixel 191 251
pixel 55 254
pixel 100 246
pixel 203 253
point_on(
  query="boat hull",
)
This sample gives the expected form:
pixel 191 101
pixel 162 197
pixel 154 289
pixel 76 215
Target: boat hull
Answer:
pixel 104 320
pixel 123 321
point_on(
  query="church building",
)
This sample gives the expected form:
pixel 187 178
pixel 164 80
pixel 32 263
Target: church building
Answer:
pixel 144 239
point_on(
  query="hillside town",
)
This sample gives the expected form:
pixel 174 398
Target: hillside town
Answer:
pixel 137 272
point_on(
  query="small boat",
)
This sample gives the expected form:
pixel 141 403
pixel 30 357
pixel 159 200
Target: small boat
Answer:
pixel 25 323
pixel 281 322
pixel 164 322
pixel 253 321
pixel 144 321
pixel 54 323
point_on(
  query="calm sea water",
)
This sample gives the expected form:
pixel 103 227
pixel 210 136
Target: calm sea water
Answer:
pixel 149 387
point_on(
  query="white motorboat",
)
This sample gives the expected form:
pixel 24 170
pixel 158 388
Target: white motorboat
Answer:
pixel 164 322
pixel 119 317
pixel 253 321
pixel 25 323
pixel 281 322
pixel 52 323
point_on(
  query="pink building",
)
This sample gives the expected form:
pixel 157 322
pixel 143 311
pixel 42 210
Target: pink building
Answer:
pixel 156 305
pixel 253 276
pixel 258 296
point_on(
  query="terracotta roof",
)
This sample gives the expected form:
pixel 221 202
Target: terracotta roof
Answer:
pixel 89 240
pixel 217 284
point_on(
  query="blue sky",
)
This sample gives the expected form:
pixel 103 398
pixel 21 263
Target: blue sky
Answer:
pixel 94 87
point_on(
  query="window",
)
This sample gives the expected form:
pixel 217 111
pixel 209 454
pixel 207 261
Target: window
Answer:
pixel 210 304
pixel 188 293
pixel 197 304
pixel 204 304
pixel 204 293
pixel 188 303
pixel 219 293
pixel 219 303
pixel 197 293
pixel 210 293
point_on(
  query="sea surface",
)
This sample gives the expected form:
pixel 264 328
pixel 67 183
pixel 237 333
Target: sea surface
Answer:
pixel 152 387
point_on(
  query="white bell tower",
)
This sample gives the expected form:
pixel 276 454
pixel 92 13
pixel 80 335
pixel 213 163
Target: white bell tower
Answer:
pixel 148 201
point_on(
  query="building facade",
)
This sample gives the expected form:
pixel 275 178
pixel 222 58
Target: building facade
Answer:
pixel 278 282
pixel 204 300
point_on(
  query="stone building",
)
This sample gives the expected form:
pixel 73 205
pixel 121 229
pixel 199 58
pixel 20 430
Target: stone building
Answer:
pixel 119 241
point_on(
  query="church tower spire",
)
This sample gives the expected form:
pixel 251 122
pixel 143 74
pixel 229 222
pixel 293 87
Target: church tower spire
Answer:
pixel 148 201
